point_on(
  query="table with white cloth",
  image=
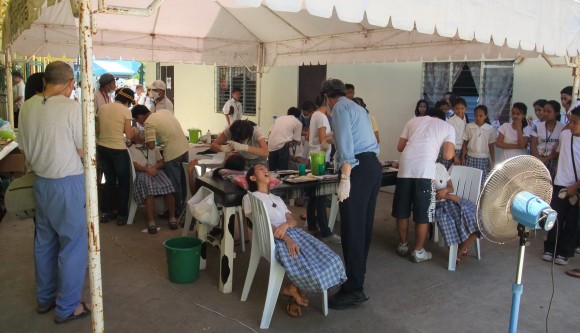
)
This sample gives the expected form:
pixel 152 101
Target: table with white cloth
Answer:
pixel 230 196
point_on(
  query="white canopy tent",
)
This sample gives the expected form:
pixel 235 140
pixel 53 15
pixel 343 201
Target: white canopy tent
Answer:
pixel 277 32
pixel 295 32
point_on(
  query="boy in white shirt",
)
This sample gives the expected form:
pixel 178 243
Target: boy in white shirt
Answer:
pixel 233 108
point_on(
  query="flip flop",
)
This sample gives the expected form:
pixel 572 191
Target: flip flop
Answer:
pixel 152 229
pixel 574 273
pixel 173 225
pixel 293 309
pixel 86 311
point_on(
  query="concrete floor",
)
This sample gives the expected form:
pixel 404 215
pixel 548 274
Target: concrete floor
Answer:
pixel 404 297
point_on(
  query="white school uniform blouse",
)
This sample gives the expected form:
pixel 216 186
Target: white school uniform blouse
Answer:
pixel 511 136
pixel 479 138
pixel 459 126
pixel 547 140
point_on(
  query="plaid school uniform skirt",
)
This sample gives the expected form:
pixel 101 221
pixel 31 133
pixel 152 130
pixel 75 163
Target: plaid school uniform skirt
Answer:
pixel 456 221
pixel 479 163
pixel 447 163
pixel 316 269
pixel 145 185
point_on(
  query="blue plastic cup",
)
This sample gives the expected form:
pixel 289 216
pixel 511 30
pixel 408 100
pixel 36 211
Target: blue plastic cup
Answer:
pixel 302 169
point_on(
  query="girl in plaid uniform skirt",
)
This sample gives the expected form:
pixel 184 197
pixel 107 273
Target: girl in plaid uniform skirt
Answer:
pixel 455 217
pixel 150 181
pixel 310 264
pixel 478 149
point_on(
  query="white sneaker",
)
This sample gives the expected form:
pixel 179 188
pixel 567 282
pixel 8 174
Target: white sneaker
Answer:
pixel 418 256
pixel 402 249
pixel 332 239
pixel 561 260
pixel 548 256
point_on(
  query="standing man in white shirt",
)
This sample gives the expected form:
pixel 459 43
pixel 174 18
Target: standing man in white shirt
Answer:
pixel 18 91
pixel 160 100
pixel 233 109
pixel 285 132
pixel 419 144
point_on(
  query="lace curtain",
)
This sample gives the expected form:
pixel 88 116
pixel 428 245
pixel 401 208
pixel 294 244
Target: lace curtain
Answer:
pixel 436 79
pixel 497 90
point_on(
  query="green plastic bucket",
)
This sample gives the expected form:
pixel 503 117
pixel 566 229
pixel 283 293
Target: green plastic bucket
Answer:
pixel 317 158
pixel 183 255
pixel 194 135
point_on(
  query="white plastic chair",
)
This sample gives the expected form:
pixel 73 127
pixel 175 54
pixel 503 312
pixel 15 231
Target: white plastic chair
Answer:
pixel 263 246
pixel 188 216
pixel 466 184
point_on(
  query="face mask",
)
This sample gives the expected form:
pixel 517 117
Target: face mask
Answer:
pixel 155 94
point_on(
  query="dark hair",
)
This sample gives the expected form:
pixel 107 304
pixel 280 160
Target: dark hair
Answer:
pixel 309 106
pixel 484 109
pixel 541 102
pixel 441 102
pixel 293 111
pixel 252 185
pixel 522 107
pixel 567 90
pixel 139 110
pixel 332 88
pixel 236 89
pixel 556 106
pixel 360 102
pixel 436 113
pixel 125 95
pixel 233 162
pixel 241 130
pixel 319 101
pixel 34 85
pixel 417 114
pixel 17 74
pixel 348 86
pixel 575 111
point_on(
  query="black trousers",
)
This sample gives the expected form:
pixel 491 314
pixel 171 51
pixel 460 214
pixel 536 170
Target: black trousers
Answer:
pixel 357 214
pixel 116 166
pixel 279 159
pixel 567 225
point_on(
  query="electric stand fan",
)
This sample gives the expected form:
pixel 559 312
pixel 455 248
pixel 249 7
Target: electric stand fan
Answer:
pixel 512 202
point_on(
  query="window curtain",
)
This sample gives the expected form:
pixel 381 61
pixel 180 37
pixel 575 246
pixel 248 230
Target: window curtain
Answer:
pixel 475 68
pixel 436 81
pixel 497 90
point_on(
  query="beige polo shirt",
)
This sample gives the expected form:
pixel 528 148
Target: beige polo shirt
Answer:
pixel 164 126
pixel 111 119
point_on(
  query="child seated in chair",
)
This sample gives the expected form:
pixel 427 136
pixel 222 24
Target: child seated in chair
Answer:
pixel 454 215
pixel 150 181
pixel 310 265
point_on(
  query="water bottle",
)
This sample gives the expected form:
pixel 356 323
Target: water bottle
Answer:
pixel 208 137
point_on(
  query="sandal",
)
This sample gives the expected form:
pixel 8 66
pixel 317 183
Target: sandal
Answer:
pixel 86 311
pixel 293 309
pixel 574 272
pixel 296 294
pixel 152 229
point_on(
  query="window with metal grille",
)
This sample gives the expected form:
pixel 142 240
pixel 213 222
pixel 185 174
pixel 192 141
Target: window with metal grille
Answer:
pixel 227 78
pixel 489 83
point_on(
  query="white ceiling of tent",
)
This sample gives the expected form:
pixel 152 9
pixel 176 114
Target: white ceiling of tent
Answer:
pixel 294 32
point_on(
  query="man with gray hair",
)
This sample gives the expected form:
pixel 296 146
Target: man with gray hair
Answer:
pixel 51 138
pixel 107 87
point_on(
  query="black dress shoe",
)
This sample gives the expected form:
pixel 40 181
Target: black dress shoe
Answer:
pixel 342 300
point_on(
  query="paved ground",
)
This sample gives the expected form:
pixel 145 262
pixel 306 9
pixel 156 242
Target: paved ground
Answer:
pixel 404 297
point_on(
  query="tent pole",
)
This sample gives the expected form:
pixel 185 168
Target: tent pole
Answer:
pixel 90 162
pixel 9 88
pixel 259 82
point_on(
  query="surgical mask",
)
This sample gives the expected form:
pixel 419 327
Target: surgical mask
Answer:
pixel 155 94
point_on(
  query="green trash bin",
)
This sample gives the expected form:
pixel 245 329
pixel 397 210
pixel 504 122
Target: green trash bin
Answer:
pixel 183 255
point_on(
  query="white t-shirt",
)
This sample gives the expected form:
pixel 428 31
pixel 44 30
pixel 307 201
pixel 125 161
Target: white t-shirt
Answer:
pixel 276 214
pixel 164 104
pixel 50 135
pixel 479 139
pixel 318 120
pixel 425 136
pixel 254 141
pixel 547 140
pixel 511 136
pixel 565 174
pixel 236 107
pixel 441 176
pixel 459 126
pixel 285 129
pixel 18 91
pixel 102 98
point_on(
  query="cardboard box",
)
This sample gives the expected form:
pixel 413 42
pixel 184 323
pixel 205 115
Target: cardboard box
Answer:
pixel 13 164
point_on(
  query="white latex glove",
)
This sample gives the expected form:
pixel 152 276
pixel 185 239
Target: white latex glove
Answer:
pixel 225 149
pixel 236 146
pixel 343 190
pixel 325 146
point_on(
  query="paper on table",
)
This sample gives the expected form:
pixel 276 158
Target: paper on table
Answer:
pixel 216 159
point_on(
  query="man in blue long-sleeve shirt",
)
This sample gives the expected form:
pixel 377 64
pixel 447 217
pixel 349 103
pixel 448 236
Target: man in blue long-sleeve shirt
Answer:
pixel 360 179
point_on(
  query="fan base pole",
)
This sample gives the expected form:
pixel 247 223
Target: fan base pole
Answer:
pixel 517 290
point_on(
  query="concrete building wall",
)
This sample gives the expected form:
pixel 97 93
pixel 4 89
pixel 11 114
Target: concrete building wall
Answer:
pixel 390 91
